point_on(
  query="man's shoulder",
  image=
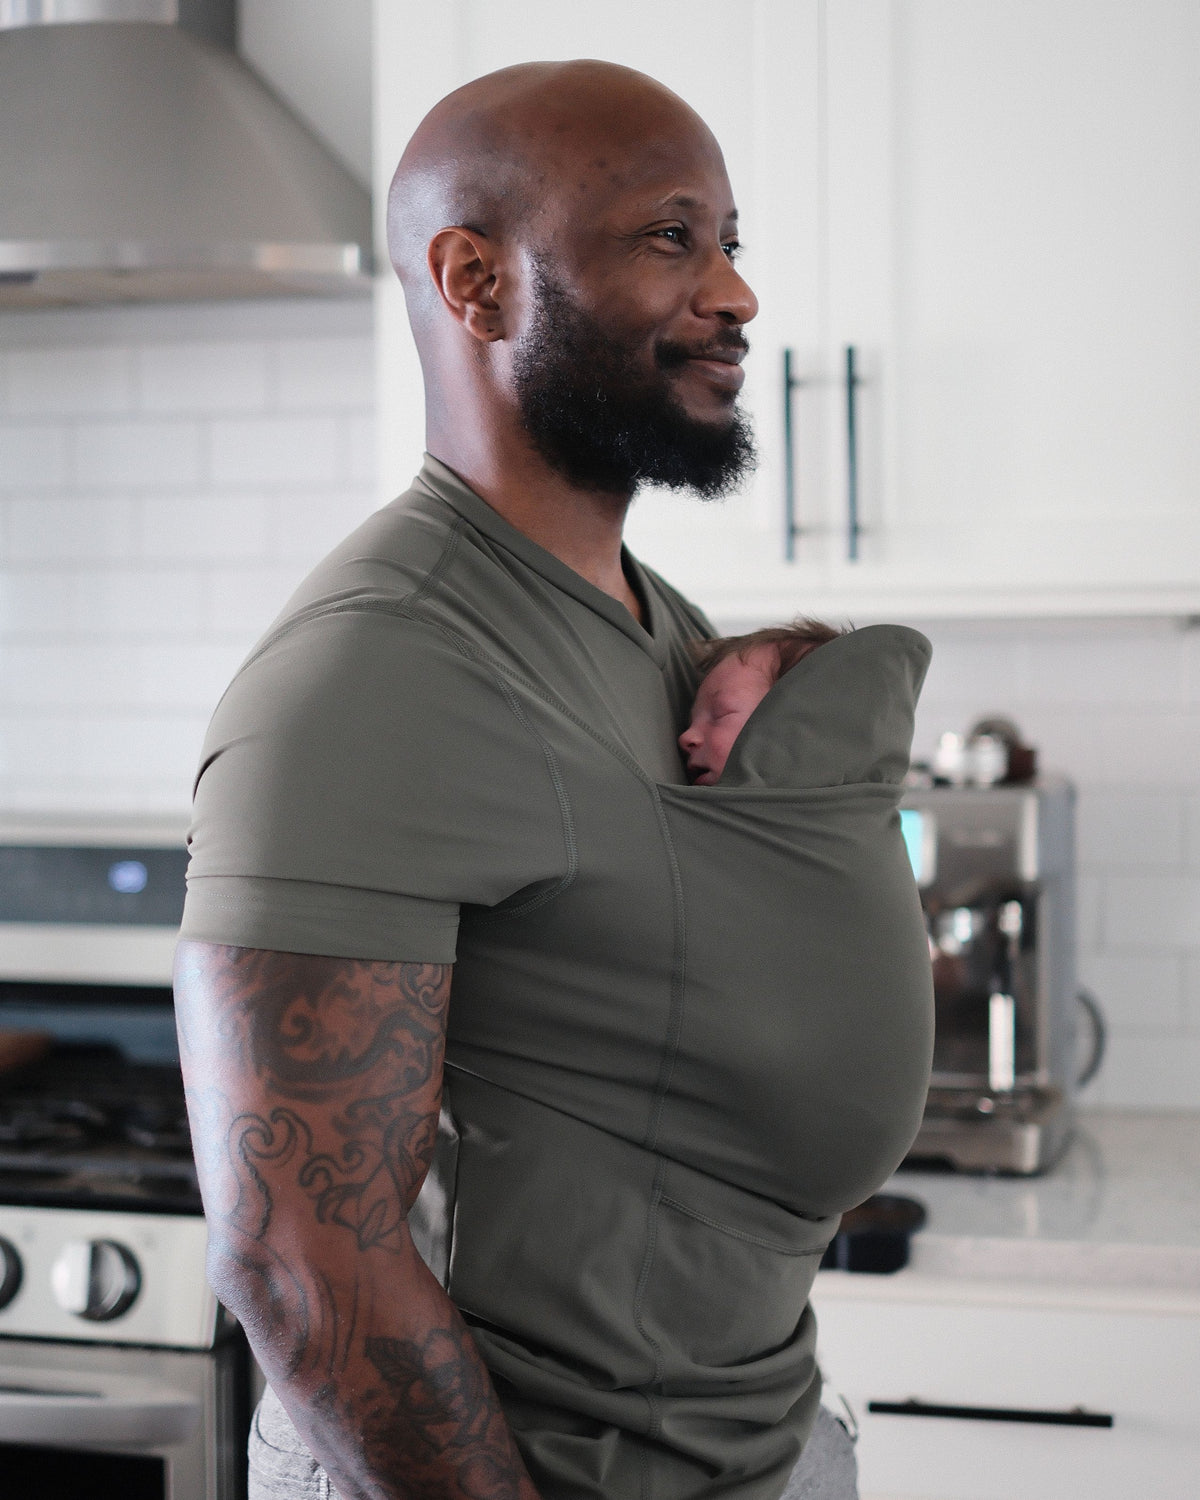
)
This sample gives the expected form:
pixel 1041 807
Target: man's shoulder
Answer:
pixel 391 555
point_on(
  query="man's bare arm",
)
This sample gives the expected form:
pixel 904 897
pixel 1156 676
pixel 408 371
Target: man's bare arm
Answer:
pixel 314 1086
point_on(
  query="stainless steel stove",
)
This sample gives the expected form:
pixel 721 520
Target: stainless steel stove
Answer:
pixel 119 1372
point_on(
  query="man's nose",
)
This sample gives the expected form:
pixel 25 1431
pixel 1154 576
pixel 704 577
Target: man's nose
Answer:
pixel 725 293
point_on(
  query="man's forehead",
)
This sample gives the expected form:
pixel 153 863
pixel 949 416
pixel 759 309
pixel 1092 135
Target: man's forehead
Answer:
pixel 655 181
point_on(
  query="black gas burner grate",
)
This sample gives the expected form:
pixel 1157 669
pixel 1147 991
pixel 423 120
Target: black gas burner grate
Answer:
pixel 85 1127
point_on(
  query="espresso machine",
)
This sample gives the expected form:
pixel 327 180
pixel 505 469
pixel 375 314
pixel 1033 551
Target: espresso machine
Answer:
pixel 995 869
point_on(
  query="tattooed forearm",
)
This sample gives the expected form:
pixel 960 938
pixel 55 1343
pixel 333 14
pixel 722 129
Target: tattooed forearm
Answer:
pixel 314 1086
pixel 435 1404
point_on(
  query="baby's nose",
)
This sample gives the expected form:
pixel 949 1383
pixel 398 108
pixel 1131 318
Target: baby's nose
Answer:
pixel 689 738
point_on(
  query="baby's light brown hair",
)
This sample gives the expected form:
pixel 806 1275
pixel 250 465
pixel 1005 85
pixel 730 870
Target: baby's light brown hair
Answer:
pixel 792 642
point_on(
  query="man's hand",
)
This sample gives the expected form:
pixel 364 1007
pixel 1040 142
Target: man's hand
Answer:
pixel 314 1086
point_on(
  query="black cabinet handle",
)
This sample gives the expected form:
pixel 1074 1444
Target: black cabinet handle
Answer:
pixel 791 382
pixel 853 530
pixel 1075 1417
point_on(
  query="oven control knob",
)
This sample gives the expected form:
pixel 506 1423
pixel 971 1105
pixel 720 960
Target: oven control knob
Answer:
pixel 95 1279
pixel 10 1271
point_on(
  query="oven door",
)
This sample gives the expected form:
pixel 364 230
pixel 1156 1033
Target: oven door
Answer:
pixel 144 1424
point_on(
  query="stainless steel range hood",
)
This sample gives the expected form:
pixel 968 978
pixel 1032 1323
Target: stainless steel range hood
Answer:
pixel 140 162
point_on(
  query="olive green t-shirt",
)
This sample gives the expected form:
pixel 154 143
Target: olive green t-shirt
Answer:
pixel 689 1026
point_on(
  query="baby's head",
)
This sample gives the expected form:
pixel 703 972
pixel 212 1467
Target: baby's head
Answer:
pixel 736 673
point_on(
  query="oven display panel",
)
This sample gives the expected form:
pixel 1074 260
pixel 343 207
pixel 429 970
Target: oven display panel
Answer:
pixel 69 884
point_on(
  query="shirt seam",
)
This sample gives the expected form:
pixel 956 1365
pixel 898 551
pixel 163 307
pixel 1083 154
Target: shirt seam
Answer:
pixel 737 1234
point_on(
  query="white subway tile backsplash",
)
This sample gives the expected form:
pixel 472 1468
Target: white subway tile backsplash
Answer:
pixel 140 601
pixel 67 674
pixel 1191 837
pixel 1191 992
pixel 1149 747
pixel 325 374
pixel 1089 911
pixel 1152 910
pixel 89 794
pixel 981 673
pixel 203 527
pixel 138 453
pixel 305 526
pixel 69 529
pixel 1104 671
pixel 934 717
pixel 185 676
pixel 1068 742
pixel 1138 990
pixel 33 456
pixel 45 746
pixel 1190 653
pixel 210 378
pixel 87 381
pixel 242 602
pixel 362 460
pixel 301 451
pixel 1121 829
pixel 39 602
pixel 1150 1071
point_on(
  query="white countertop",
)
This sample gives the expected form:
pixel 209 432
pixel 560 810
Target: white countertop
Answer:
pixel 1120 1211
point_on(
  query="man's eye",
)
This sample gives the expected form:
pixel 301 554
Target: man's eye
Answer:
pixel 676 233
pixel 732 249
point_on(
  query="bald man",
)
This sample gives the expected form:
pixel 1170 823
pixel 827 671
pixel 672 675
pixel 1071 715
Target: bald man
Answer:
pixel 432 967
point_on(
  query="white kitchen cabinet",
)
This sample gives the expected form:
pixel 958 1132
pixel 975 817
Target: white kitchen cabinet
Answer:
pixel 1134 1357
pixel 996 206
pixel 1012 243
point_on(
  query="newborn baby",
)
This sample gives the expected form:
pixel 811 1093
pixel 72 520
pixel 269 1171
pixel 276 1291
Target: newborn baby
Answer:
pixel 736 673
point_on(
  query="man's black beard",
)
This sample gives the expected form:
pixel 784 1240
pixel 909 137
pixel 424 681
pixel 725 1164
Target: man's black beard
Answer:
pixel 605 425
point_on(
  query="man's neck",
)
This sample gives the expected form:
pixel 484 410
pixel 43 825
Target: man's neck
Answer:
pixel 581 527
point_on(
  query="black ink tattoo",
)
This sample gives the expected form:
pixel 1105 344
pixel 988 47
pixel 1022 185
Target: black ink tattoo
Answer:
pixel 315 1084
pixel 441 1403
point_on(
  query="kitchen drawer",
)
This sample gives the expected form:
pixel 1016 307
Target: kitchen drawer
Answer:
pixel 1140 1367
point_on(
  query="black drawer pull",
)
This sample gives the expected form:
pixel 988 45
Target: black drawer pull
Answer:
pixel 1076 1417
pixel 853 381
pixel 791 525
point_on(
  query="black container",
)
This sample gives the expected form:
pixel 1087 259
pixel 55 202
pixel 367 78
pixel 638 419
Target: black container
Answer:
pixel 874 1237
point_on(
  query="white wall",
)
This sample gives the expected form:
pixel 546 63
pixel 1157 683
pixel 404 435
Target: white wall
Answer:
pixel 168 474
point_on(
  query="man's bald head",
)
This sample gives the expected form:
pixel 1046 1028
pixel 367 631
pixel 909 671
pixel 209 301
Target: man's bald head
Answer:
pixel 508 152
pixel 565 234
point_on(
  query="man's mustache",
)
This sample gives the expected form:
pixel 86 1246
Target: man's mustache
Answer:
pixel 669 355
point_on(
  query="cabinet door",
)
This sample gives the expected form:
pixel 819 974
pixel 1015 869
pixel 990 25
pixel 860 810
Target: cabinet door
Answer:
pixel 1014 235
pixel 751 71
pixel 1140 1368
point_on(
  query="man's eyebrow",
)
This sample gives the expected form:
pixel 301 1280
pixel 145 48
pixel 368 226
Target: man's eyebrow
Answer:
pixel 685 200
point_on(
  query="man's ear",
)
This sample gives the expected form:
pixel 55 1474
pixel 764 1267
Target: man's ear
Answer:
pixel 462 265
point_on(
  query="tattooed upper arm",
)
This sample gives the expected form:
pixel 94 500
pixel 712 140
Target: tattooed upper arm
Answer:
pixel 313 1087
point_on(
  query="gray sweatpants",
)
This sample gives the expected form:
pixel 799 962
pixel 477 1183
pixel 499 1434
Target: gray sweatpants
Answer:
pixel 281 1468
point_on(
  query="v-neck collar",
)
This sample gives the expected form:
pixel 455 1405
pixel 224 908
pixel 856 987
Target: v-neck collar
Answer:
pixel 445 485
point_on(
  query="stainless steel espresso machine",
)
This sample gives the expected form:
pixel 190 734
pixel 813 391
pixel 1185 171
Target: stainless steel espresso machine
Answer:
pixel 995 868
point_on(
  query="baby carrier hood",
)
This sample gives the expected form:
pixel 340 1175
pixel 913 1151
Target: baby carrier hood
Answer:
pixel 842 715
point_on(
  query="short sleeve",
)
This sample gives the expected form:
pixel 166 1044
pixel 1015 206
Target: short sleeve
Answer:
pixel 365 776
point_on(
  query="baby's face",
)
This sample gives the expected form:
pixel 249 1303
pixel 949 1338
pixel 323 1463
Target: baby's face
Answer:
pixel 724 701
